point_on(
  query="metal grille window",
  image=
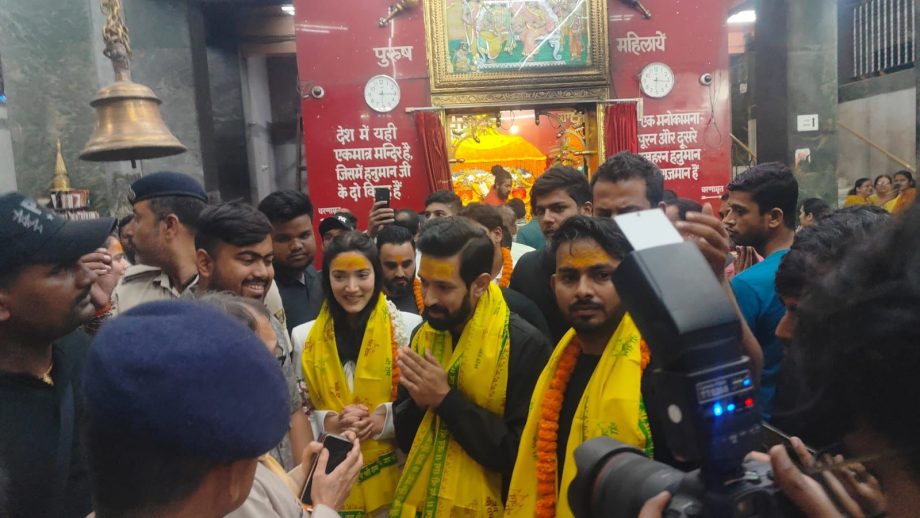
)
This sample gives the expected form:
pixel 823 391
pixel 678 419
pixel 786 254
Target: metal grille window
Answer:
pixel 883 36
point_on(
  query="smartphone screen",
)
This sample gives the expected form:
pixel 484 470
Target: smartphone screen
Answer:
pixel 382 194
pixel 338 449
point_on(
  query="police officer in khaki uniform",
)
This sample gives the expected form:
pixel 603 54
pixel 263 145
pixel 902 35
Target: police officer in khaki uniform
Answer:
pixel 166 209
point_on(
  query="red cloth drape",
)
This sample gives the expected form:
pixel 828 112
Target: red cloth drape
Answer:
pixel 621 129
pixel 434 150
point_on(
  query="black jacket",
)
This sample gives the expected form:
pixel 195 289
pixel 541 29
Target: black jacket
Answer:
pixel 302 301
pixel 490 439
pixel 31 413
pixel 531 278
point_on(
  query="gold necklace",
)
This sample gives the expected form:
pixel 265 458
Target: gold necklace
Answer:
pixel 46 377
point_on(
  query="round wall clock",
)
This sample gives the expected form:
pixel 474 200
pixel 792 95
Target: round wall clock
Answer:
pixel 656 80
pixel 381 93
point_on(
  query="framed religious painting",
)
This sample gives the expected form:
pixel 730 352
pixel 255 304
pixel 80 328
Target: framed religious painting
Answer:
pixel 501 51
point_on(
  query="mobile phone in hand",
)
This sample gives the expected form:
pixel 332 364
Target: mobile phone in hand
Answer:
pixel 382 194
pixel 338 447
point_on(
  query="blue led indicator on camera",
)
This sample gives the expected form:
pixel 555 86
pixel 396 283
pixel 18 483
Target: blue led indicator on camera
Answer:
pixel 747 382
pixel 730 407
pixel 717 410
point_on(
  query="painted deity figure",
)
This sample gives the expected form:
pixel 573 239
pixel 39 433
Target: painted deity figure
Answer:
pixel 461 59
pixel 495 32
pixel 473 13
pixel 536 22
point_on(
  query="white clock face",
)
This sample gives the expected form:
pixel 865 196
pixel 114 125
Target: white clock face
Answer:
pixel 381 93
pixel 656 80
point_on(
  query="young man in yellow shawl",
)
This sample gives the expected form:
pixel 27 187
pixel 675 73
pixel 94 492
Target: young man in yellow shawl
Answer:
pixel 591 386
pixel 466 381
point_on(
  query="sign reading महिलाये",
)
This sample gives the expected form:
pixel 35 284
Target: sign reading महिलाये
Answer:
pixel 635 44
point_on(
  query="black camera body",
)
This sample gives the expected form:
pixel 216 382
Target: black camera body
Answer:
pixel 622 478
pixel 700 392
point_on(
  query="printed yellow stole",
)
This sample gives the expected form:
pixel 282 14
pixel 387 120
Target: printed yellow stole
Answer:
pixel 373 385
pixel 611 406
pixel 440 479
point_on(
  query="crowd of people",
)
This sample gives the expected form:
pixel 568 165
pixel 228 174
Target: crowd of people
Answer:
pixel 894 193
pixel 190 359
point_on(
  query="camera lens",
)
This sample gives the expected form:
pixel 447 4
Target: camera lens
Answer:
pixel 614 480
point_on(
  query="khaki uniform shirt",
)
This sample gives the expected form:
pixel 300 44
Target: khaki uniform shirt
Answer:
pixel 143 283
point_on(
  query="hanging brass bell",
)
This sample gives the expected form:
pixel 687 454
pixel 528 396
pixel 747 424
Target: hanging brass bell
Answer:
pixel 128 125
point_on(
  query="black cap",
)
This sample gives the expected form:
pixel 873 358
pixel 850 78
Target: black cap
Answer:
pixel 166 183
pixel 31 233
pixel 340 220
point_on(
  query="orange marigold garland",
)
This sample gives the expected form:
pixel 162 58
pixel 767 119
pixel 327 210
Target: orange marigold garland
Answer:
pixel 547 433
pixel 646 354
pixel 419 299
pixel 507 268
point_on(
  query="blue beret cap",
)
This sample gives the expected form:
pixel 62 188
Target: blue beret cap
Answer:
pixel 166 183
pixel 187 376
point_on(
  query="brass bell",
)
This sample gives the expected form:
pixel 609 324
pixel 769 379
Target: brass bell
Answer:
pixel 60 182
pixel 128 125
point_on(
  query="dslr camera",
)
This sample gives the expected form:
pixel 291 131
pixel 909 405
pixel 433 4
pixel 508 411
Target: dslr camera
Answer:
pixel 699 393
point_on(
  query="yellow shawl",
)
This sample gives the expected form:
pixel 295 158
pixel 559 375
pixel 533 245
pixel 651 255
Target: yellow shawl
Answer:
pixel 611 406
pixel 373 385
pixel 440 478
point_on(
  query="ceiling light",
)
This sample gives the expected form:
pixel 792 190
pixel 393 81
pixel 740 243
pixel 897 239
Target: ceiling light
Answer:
pixel 742 17
pixel 288 8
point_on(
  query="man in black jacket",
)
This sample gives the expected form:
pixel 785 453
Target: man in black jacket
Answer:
pixel 560 193
pixel 44 296
pixel 458 290
pixel 294 246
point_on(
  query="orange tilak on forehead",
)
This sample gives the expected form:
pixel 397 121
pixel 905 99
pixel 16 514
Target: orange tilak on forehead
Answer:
pixel 436 269
pixel 583 255
pixel 350 261
pixel 116 248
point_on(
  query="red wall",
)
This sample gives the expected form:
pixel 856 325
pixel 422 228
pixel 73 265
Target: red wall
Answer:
pixel 696 43
pixel 335 42
pixel 334 50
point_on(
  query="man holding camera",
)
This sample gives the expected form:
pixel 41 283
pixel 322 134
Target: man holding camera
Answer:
pixel 858 329
pixel 591 386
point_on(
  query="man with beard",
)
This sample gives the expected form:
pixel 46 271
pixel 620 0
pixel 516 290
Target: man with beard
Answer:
pixel 761 213
pixel 817 251
pixel 235 255
pixel 465 380
pixel 500 189
pixel 294 246
pixel 44 296
pixel 490 221
pixel 166 209
pixel 560 193
pixel 397 262
pixel 591 386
